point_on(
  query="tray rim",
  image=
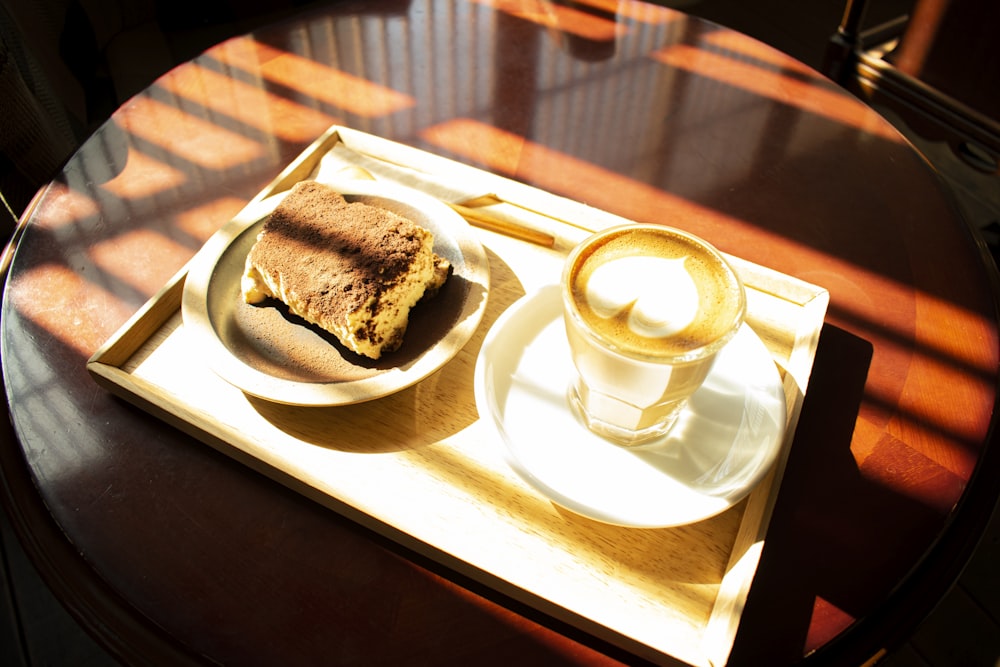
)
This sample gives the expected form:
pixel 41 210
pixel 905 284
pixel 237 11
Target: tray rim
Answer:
pixel 106 368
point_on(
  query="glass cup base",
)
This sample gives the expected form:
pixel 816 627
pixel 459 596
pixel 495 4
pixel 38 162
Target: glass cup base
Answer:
pixel 618 435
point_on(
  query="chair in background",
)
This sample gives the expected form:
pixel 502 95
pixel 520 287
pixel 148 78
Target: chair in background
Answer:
pixel 66 65
pixel 42 104
pixel 937 68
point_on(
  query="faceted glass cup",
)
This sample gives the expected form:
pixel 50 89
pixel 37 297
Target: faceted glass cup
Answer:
pixel 646 308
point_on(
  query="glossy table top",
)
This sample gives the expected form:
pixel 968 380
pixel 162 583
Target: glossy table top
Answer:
pixel 174 549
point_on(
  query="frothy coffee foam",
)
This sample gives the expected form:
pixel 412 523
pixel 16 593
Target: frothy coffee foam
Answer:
pixel 634 285
pixel 655 292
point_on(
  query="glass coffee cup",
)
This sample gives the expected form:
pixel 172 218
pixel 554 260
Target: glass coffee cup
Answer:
pixel 647 308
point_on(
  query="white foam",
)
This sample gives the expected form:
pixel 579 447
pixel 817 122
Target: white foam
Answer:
pixel 659 294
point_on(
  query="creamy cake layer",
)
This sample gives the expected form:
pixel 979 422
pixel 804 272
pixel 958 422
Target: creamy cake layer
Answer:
pixel 352 269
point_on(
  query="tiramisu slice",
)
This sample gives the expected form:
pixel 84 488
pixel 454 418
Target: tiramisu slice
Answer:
pixel 352 269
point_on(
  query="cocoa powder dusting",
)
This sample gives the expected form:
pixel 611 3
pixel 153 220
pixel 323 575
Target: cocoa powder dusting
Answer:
pixel 332 254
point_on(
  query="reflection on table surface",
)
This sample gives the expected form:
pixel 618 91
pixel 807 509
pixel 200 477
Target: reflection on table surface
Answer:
pixel 624 106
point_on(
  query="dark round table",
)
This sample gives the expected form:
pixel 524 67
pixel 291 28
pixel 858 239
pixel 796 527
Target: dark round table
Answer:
pixel 169 552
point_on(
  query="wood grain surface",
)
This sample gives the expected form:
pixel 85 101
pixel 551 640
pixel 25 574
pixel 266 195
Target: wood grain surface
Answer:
pixel 453 495
pixel 632 109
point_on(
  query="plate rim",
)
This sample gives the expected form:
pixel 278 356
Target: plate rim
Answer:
pixel 260 384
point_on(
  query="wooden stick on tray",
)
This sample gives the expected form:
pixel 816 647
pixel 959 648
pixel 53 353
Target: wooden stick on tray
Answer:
pixel 475 217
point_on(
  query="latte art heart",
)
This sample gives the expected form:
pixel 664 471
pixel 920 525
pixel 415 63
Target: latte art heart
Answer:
pixel 658 293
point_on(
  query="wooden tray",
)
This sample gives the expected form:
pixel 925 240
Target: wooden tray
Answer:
pixel 422 468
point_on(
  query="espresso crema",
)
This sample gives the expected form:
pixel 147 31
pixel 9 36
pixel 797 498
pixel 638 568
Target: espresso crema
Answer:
pixel 653 292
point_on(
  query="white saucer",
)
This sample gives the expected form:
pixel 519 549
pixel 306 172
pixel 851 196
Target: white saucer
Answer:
pixel 721 446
